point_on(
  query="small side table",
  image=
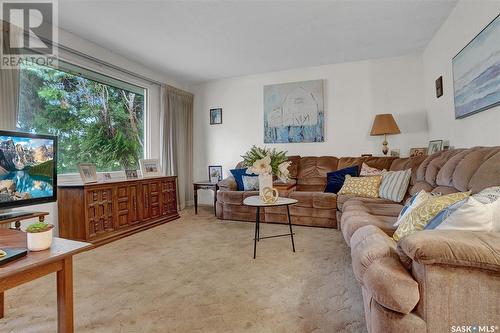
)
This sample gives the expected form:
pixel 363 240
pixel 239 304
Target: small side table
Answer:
pixel 204 185
pixel 255 201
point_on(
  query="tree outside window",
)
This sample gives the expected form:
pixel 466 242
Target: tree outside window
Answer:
pixel 95 122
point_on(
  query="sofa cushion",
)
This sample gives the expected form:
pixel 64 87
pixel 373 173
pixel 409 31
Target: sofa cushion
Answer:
pixel 355 207
pixel 351 223
pixel 315 199
pixel 453 247
pixel 412 163
pixel 345 162
pixel 488 174
pixel 376 266
pixel 234 197
pixel 391 285
pixel 312 172
pixel 343 199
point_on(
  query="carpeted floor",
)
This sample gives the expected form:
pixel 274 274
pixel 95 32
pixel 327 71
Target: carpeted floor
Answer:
pixel 197 274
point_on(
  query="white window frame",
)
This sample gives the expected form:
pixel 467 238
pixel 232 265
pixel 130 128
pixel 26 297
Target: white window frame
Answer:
pixel 114 75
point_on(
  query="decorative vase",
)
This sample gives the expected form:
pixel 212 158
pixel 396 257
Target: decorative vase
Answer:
pixel 39 241
pixel 265 180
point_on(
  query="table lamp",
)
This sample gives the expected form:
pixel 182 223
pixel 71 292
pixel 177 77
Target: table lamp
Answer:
pixel 382 125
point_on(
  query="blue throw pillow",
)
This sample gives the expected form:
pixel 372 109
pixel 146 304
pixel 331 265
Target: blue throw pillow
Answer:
pixel 335 179
pixel 238 177
pixel 442 215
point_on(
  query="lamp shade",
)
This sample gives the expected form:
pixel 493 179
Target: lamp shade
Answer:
pixel 384 124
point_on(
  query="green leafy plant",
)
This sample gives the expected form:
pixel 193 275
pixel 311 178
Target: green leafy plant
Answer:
pixel 257 153
pixel 39 227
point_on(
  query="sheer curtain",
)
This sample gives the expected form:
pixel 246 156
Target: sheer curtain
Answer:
pixel 177 140
pixel 9 89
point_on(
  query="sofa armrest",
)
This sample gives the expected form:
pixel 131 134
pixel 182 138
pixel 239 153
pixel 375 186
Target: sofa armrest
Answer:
pixel 228 184
pixel 453 247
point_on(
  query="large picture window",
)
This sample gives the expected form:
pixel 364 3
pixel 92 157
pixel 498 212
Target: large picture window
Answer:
pixel 98 119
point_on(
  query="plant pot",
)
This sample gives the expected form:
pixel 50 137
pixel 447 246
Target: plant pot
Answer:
pixel 265 180
pixel 39 241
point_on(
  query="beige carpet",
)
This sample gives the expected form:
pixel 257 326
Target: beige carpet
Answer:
pixel 197 274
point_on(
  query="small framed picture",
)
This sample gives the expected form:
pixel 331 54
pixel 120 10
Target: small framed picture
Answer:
pixel 439 87
pixel 434 146
pixel 395 152
pixel 87 172
pixel 414 152
pixel 150 167
pixel 215 173
pixel 131 174
pixel 216 116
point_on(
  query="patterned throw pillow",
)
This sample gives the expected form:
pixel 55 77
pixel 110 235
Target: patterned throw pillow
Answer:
pixel 251 183
pixel 488 195
pixel 238 177
pixel 367 171
pixel 394 184
pixel 417 219
pixel 361 186
pixel 411 204
pixel 479 212
pixel 443 215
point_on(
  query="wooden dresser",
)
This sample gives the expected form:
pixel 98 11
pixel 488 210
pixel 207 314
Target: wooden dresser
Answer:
pixel 102 212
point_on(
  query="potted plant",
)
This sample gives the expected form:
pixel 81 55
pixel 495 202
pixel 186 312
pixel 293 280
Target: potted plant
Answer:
pixel 267 162
pixel 39 236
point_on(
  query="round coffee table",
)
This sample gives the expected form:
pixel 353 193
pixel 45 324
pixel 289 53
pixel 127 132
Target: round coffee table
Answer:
pixel 256 201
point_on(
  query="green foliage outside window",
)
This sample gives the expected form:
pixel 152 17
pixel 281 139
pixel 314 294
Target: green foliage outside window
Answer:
pixel 95 122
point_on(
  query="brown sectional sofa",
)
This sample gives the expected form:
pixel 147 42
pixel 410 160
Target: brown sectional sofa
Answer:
pixel 428 281
pixel 315 208
pixel 431 280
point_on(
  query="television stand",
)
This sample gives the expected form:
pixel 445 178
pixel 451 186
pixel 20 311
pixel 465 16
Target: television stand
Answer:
pixel 18 216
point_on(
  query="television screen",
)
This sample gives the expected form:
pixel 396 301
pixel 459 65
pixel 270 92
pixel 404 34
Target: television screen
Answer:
pixel 28 166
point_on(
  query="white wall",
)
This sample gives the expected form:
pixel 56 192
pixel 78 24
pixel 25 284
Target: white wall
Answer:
pixel 353 92
pixel 153 117
pixel 466 20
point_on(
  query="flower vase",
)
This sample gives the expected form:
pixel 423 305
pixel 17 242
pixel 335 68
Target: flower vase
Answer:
pixel 265 180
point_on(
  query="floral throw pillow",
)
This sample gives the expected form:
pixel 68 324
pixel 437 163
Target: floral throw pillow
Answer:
pixel 367 171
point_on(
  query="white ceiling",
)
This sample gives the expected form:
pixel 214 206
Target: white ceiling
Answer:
pixel 197 41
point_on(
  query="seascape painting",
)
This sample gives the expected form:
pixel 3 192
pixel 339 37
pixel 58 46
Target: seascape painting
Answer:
pixel 294 112
pixel 476 72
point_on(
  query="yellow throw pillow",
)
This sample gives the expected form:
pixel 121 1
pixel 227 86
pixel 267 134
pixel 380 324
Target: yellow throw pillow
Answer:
pixel 361 186
pixel 418 218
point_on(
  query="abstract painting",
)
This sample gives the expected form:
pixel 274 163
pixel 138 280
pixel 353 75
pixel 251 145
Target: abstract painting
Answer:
pixel 476 72
pixel 294 112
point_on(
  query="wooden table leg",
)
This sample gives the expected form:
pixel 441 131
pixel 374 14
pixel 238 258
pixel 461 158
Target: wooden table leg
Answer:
pixel 65 297
pixel 1 305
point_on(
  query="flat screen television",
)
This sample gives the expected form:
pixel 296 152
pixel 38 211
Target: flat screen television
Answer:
pixel 28 169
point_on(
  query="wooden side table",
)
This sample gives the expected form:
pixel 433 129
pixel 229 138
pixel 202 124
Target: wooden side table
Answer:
pixel 205 185
pixel 59 259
